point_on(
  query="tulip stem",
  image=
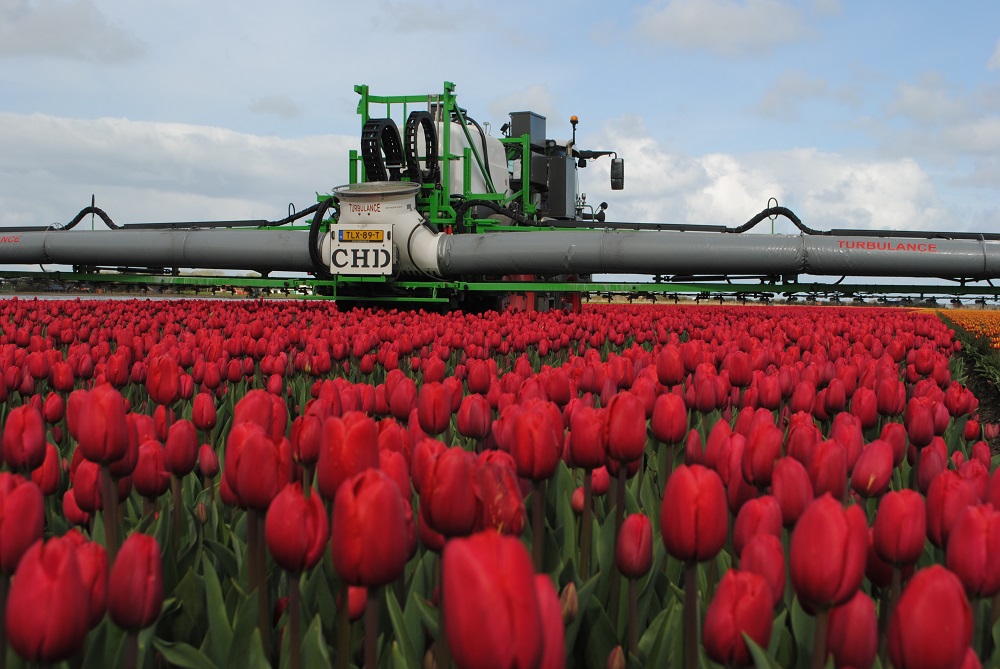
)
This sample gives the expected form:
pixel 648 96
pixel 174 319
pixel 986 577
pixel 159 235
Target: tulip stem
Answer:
pixel 263 607
pixel 586 530
pixel 819 639
pixel 371 629
pixel 109 513
pixel 443 652
pixel 131 650
pixel 691 615
pixel 251 550
pixel 538 524
pixel 343 630
pixel 175 536
pixel 294 620
pixel 633 617
pixel 616 576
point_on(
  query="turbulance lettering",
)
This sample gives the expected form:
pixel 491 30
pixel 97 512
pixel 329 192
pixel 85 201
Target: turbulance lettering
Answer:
pixel 914 247
pixel 6 239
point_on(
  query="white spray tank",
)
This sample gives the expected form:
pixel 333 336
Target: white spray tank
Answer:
pixel 380 232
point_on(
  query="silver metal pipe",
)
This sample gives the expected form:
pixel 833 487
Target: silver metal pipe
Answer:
pixel 254 250
pixel 672 252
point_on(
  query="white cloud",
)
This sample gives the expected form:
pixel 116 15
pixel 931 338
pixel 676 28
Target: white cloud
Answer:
pixel 826 190
pixel 68 29
pixel 141 171
pixel 931 100
pixel 727 27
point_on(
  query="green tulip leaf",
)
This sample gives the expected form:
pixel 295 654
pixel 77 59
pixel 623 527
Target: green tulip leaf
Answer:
pixel 179 654
pixel 761 660
pixel 428 614
pixel 190 616
pixel 220 632
pixel 803 628
pixel 399 629
pixel 598 634
pixel 315 652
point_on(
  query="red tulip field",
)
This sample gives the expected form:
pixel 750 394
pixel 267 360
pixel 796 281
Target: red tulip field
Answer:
pixel 214 483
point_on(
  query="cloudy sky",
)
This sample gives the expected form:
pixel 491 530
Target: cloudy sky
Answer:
pixel 854 114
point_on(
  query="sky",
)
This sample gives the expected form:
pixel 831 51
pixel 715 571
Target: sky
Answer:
pixel 853 114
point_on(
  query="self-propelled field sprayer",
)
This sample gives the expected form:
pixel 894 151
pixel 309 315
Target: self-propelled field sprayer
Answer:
pixel 440 211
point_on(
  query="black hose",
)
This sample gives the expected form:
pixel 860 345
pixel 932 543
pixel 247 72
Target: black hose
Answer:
pixel 314 255
pixel 85 212
pixel 776 211
pixel 463 207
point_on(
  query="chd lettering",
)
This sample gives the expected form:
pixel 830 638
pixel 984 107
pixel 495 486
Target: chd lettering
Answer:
pixel 361 258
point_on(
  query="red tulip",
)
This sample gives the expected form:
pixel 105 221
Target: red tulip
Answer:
pixel 491 613
pixel 919 421
pixel 973 550
pixel 448 496
pixel 931 626
pixel 762 449
pixel 135 586
pixel 864 406
pixel 296 529
pixel 180 453
pixel 203 413
pixel 433 408
pixel 791 486
pixel 873 470
pixel 22 518
pixel 475 417
pixel 669 366
pixel 370 530
pixel 947 497
pixel 852 632
pixel 45 620
pixel 61 377
pixel 587 437
pixel 828 469
pixel 742 605
pixel 24 439
pixel 827 553
pixel 101 428
pixel 150 477
pixel 349 446
pixel 260 472
pixel 626 427
pixel 900 529
pixel 208 461
pixel 669 421
pixel 93 563
pixel 536 440
pixel 49 475
pixel 634 549
pixel 72 511
pixel 553 630
pixel 163 379
pixel 763 554
pixel 761 515
pixel 501 505
pixel 694 517
pixel 54 408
